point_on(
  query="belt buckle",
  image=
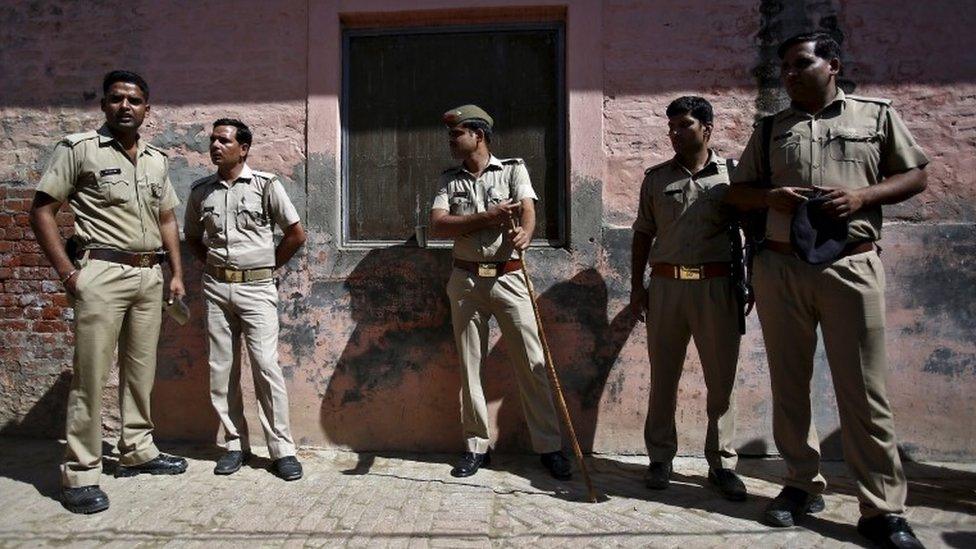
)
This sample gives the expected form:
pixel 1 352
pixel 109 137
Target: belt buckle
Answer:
pixel 144 260
pixel 689 273
pixel 233 275
pixel 487 270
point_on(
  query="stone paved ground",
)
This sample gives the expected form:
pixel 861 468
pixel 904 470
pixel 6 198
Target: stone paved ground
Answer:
pixel 410 500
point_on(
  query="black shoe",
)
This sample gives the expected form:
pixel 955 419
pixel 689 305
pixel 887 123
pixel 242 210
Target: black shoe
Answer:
pixel 791 504
pixel 559 467
pixel 889 531
pixel 728 483
pixel 288 468
pixel 231 462
pixel 84 500
pixel 160 465
pixel 658 475
pixel 469 464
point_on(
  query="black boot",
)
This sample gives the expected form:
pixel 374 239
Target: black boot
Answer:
pixel 84 500
pixel 469 464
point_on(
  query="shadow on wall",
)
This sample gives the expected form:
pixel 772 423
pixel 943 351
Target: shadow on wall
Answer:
pixel 46 419
pixel 396 382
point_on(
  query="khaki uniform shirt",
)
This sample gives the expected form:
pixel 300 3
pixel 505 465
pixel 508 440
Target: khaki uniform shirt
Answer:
pixel 116 202
pixel 685 212
pixel 852 143
pixel 229 217
pixel 461 193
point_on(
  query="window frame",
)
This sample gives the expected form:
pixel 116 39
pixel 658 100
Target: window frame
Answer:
pixel 562 138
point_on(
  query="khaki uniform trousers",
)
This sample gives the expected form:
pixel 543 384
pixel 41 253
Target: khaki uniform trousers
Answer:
pixel 846 298
pixel 705 310
pixel 248 309
pixel 115 305
pixel 474 300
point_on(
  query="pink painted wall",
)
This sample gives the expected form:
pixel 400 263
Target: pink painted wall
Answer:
pixel 366 342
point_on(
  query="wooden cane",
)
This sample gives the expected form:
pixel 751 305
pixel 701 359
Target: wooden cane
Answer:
pixel 557 390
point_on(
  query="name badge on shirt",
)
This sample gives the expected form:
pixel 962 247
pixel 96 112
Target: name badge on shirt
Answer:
pixel 460 194
pixel 109 171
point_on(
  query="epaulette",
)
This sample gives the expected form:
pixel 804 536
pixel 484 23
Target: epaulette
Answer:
pixel 511 161
pixel 773 116
pixel 201 181
pixel 656 166
pixel 157 149
pixel 885 102
pixel 264 175
pixel 75 138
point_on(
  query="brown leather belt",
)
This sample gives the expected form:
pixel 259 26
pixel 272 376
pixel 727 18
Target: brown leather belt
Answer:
pixel 234 275
pixel 133 259
pixel 690 272
pixel 488 270
pixel 786 248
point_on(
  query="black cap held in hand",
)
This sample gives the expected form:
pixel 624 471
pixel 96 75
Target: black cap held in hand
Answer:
pixel 817 238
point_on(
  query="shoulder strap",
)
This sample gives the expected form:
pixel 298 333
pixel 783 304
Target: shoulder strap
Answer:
pixel 266 200
pixel 730 164
pixel 766 177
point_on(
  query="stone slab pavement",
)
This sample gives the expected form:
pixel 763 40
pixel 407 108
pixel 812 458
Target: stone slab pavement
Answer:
pixel 410 500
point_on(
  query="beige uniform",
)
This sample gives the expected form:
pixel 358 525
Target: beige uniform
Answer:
pixel 852 143
pixel 230 219
pixel 475 299
pixel 116 204
pixel 686 216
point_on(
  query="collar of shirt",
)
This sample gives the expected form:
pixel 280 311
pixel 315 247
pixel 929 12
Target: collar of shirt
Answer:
pixel 492 163
pixel 245 175
pixel 105 138
pixel 712 162
pixel 840 100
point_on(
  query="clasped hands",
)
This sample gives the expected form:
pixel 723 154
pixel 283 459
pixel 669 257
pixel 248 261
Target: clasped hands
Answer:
pixel 506 214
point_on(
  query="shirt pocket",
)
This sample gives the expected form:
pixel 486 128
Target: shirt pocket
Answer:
pixel 784 154
pixel 462 205
pixel 853 145
pixel 210 220
pixel 672 203
pixel 714 211
pixel 250 216
pixel 152 192
pixel 114 189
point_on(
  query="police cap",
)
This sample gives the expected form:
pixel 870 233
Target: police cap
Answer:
pixel 464 113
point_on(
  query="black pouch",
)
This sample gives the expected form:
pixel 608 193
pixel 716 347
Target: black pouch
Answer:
pixel 71 247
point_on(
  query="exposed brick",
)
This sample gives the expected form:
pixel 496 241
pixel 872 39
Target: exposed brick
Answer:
pixel 17 204
pixel 35 273
pixel 50 326
pixel 13 325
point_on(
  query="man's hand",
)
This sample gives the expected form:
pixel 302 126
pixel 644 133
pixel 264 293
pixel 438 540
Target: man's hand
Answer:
pixel 176 289
pixel 638 302
pixel 786 199
pixel 841 203
pixel 519 238
pixel 503 212
pixel 71 284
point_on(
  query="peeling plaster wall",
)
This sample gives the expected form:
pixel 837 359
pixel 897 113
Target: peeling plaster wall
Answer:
pixel 366 344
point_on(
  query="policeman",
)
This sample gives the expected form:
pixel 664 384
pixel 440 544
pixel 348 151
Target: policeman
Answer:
pixel 682 228
pixel 475 205
pixel 859 153
pixel 229 226
pixel 118 188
